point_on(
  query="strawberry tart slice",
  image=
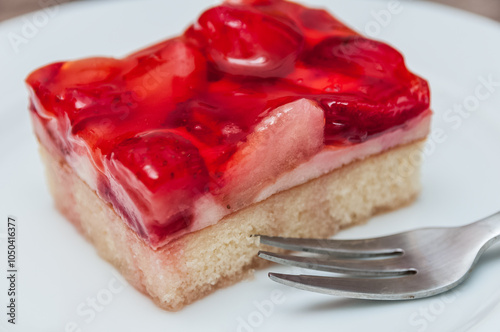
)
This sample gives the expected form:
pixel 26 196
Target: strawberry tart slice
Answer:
pixel 264 117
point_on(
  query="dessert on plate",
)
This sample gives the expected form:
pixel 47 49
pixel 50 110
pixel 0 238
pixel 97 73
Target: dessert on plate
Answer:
pixel 264 117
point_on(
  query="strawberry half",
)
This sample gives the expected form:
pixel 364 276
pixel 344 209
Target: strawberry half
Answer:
pixel 243 41
pixel 164 173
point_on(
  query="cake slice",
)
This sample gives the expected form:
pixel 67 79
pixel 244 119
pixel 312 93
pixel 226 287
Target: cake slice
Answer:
pixel 264 117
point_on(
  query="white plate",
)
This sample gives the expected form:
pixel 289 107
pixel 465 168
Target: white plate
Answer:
pixel 59 272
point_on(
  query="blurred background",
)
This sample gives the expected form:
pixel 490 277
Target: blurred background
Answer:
pixel 488 8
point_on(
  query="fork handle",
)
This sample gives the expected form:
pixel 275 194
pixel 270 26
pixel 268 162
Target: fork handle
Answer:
pixel 490 227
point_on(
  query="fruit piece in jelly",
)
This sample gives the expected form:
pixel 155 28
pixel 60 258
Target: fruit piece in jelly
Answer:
pixel 240 40
pixel 288 135
pixel 164 173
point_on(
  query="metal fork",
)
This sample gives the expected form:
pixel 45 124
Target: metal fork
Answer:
pixel 409 265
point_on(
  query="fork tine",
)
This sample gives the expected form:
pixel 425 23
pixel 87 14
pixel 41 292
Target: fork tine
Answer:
pixel 363 288
pixel 356 267
pixel 340 248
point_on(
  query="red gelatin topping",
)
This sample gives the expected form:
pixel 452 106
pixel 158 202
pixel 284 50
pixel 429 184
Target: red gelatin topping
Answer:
pixel 165 124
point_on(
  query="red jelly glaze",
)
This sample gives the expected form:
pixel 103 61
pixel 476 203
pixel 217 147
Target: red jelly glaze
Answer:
pixel 173 114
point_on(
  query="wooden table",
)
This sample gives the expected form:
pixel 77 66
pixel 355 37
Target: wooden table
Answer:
pixel 488 8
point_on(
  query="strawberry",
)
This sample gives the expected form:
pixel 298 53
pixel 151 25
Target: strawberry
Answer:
pixel 163 161
pixel 239 40
pixel 164 174
pixel 171 72
pixel 287 136
pixel 351 119
pixel 356 56
pixel 90 71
